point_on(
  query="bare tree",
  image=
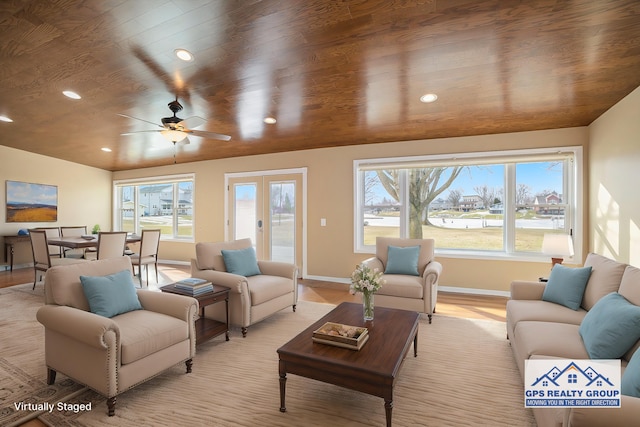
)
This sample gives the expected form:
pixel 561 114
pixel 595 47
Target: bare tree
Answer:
pixel 370 181
pixel 523 194
pixel 424 187
pixel 454 197
pixel 487 195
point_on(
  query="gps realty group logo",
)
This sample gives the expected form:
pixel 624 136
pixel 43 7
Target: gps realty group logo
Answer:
pixel 572 383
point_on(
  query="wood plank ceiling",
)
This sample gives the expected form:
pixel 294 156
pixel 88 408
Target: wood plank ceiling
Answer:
pixel 332 72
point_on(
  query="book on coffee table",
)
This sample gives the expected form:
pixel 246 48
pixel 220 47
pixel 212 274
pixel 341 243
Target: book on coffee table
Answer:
pixel 192 282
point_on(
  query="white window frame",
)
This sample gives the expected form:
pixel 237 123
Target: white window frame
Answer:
pixel 164 179
pixel 573 191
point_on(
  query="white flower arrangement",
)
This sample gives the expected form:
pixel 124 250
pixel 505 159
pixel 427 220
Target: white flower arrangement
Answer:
pixel 365 280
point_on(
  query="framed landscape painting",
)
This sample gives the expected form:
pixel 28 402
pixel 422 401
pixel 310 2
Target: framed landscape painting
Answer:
pixel 27 202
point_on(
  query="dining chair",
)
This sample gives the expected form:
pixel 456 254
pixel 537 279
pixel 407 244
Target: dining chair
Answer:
pixel 73 231
pixel 42 261
pixel 54 250
pixel 111 244
pixel 149 244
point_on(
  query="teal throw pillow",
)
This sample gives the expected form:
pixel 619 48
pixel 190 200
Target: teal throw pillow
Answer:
pixel 611 327
pixel 241 261
pixel 111 295
pixel 403 260
pixel 566 286
pixel 630 382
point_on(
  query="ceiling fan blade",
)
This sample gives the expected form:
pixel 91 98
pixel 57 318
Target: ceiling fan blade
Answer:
pixel 210 135
pixel 142 120
pixel 192 122
pixel 139 131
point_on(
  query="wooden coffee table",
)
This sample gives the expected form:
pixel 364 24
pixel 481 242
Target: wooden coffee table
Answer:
pixel 373 369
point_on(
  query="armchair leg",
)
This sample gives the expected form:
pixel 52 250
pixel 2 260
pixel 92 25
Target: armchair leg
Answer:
pixel 294 308
pixel 51 376
pixel 429 315
pixel 111 406
pixel 244 332
pixel 189 364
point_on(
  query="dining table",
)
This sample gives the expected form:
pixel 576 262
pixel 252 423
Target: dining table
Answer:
pixel 78 242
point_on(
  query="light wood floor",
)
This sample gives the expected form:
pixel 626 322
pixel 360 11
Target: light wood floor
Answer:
pixel 451 304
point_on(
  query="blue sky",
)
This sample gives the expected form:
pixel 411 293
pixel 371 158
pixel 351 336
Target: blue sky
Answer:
pixel 24 192
pixel 538 176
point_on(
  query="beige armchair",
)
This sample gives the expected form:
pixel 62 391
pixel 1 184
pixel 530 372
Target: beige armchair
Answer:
pixel 408 292
pixel 112 355
pixel 253 298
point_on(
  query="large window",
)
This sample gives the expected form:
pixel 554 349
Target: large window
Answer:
pixel 164 203
pixel 487 204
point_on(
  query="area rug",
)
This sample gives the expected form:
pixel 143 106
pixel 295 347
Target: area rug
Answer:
pixel 464 375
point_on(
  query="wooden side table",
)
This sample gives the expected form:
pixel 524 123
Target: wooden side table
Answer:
pixel 9 243
pixel 207 328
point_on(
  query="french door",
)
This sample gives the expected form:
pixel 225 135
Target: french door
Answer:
pixel 268 208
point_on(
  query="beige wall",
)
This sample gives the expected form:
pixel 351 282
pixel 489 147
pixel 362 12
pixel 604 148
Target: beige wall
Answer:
pixel 84 193
pixel 330 195
pixel 614 209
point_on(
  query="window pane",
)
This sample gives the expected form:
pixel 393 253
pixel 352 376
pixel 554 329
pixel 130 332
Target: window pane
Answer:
pixel 467 212
pixel 127 204
pixel 185 209
pixel 245 211
pixel 381 206
pixel 540 207
pixel 283 230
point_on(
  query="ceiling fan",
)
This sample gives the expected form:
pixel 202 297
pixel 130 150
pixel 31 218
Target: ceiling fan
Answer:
pixel 176 129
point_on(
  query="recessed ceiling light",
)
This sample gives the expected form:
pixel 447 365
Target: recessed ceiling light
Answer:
pixel 106 149
pixel 71 94
pixel 5 119
pixel 428 97
pixel 184 54
pixel 269 120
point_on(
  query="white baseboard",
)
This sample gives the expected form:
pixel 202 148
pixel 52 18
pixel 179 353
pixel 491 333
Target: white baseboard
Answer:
pixel 452 289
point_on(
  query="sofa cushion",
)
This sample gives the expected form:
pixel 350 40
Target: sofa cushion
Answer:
pixel 630 382
pixel 403 260
pixel 566 286
pixel 146 332
pixel 265 288
pixel 111 295
pixel 630 285
pixel 549 339
pixel 519 310
pixel 605 278
pixel 611 327
pixel 241 261
pixel 401 285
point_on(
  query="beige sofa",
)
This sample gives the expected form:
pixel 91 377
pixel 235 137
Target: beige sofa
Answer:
pixel 539 329
pixel 253 298
pixel 112 355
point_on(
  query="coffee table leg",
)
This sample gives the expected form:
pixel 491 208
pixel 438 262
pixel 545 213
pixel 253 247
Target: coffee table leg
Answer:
pixel 283 383
pixel 388 406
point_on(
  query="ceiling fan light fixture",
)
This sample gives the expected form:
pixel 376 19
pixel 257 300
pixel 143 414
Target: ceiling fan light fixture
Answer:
pixel 71 94
pixel 270 120
pixel 6 119
pixel 173 135
pixel 184 55
pixel 428 97
pixel 106 149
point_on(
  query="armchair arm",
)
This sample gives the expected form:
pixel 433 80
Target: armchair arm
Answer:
pixel 431 273
pixel 521 289
pixel 282 269
pixel 178 306
pixel 80 325
pixel 373 263
pixel 626 415
pixel 232 281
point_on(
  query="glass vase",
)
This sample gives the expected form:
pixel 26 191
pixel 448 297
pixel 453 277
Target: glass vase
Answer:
pixel 367 305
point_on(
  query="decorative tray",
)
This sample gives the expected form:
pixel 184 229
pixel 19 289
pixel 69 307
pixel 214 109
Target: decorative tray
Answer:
pixel 352 337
